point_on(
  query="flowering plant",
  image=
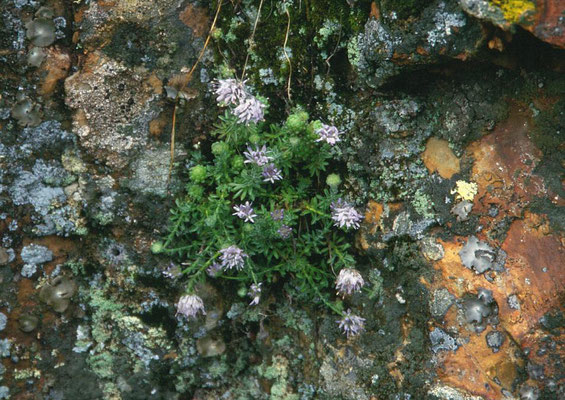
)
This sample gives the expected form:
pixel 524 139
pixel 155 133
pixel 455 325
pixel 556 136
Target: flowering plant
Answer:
pixel 265 204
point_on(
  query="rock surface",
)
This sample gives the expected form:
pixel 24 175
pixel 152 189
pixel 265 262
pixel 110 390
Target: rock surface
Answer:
pixel 453 114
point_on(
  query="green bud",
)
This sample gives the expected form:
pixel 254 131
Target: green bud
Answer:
pixel 333 180
pixel 219 148
pixel 248 228
pixel 237 162
pixel 210 221
pixel 254 138
pixel 297 121
pixel 217 33
pixel 157 247
pixel 315 125
pixel 195 191
pixel 294 141
pixel 242 291
pixel 198 173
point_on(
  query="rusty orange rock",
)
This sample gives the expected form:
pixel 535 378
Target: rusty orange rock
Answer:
pixel 533 280
pixel 439 157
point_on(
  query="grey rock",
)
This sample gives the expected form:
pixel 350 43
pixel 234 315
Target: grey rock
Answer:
pixel 461 210
pixel 3 321
pixel 440 302
pixel 5 345
pixel 6 256
pixel 528 392
pixel 441 341
pixel 41 32
pixel 513 302
pixel 480 257
pixel 431 249
pixel 150 172
pixel 28 270
pixel 495 339
pixel 36 254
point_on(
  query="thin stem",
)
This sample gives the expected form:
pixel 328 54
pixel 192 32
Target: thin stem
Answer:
pixel 251 40
pixel 286 54
pixel 307 207
pixel 326 302
pixel 200 270
pixel 188 76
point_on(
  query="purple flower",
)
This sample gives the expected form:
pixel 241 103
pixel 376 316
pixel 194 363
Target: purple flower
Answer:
pixel 348 281
pixel 329 134
pixel 351 324
pixel 245 212
pixel 284 231
pixel 345 215
pixel 230 91
pixel 278 214
pixel 249 110
pixel 172 271
pixel 232 257
pixel 189 305
pixel 214 269
pixel 255 293
pixel 271 173
pixel 258 156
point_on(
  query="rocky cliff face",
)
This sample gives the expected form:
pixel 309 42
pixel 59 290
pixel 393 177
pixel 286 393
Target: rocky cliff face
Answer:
pixel 454 119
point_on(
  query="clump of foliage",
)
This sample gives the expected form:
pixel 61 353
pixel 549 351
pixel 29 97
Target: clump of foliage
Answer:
pixel 264 202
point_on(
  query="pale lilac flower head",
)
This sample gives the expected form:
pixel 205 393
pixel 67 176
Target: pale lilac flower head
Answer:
pixel 231 257
pixel 249 110
pixel 245 212
pixel 329 134
pixel 190 305
pixel 271 173
pixel 345 215
pixel 172 271
pixel 258 156
pixel 230 91
pixel 284 231
pixel 255 293
pixel 351 324
pixel 214 269
pixel 348 281
pixel 278 214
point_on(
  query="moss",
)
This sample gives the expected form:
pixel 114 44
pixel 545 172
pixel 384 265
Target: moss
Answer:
pixel 295 319
pixel 76 266
pixel 102 365
pixel 318 29
pixel 403 8
pixel 219 369
pixel 423 204
pixel 28 373
pixel 184 381
pixel 549 128
pixel 354 51
pixel 278 372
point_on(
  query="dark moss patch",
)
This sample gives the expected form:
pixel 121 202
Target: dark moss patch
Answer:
pixel 404 8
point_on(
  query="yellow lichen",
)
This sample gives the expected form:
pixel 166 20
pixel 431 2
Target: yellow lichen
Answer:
pixel 514 10
pixel 465 190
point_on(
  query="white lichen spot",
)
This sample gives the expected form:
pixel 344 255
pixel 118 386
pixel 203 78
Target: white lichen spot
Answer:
pixel 445 25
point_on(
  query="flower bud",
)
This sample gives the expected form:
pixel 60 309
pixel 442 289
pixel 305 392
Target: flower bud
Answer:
pixel 219 148
pixel 198 173
pixel 333 180
pixel 297 121
pixel 157 247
